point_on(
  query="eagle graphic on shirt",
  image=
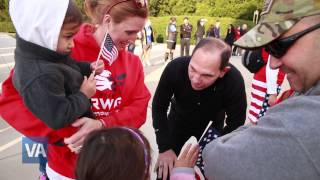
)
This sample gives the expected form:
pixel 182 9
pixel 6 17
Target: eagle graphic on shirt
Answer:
pixel 109 93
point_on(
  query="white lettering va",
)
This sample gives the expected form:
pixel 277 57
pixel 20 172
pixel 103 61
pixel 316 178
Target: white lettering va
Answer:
pixel 105 104
pixel 35 150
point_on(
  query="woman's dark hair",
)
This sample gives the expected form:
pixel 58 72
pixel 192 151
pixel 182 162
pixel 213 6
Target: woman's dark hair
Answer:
pixel 73 14
pixel 114 154
pixel 213 45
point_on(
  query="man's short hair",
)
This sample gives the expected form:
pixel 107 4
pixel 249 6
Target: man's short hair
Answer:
pixel 277 17
pixel 213 44
pixel 186 18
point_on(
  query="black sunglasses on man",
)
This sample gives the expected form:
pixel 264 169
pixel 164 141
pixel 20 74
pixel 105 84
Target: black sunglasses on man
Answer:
pixel 279 47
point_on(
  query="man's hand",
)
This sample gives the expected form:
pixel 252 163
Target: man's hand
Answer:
pixel 188 158
pixel 86 125
pixel 272 99
pixel 88 86
pixel 97 67
pixel 165 163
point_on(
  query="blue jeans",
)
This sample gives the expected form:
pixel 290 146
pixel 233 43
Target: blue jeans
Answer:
pixel 42 164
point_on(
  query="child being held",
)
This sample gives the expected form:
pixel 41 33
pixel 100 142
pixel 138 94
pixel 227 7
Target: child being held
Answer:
pixel 54 87
pixel 123 153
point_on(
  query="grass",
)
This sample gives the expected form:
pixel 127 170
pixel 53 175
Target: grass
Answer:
pixel 7 27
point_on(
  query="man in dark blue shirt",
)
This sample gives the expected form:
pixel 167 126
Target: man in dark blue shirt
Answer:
pixel 185 34
pixel 198 89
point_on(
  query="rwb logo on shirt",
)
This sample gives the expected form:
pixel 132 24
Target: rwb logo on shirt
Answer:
pixel 32 148
pixel 104 81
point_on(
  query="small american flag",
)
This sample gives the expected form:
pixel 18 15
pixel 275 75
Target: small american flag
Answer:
pixel 108 51
pixel 208 135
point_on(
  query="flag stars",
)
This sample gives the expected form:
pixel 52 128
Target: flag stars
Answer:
pixel 210 135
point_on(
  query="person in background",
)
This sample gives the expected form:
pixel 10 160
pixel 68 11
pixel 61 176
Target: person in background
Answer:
pixel 265 87
pixel 236 50
pixel 140 38
pixel 198 89
pixel 171 34
pixel 210 31
pixel 285 143
pixel 185 35
pixel 216 29
pixel 147 39
pixel 243 30
pixel 200 32
pixel 230 37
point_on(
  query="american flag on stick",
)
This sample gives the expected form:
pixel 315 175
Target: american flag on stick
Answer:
pixel 208 135
pixel 108 50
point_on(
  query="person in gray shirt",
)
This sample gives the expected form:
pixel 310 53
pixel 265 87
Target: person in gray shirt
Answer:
pixel 286 142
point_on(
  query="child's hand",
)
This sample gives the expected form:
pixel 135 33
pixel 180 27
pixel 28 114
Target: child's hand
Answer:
pixel 188 157
pixel 88 86
pixel 97 66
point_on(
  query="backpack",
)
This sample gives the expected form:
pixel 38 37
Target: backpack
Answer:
pixel 253 60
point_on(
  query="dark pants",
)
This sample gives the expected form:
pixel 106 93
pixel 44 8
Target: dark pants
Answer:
pixel 42 163
pixel 185 46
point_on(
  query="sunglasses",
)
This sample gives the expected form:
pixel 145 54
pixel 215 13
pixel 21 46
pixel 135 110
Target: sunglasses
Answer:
pixel 279 48
pixel 138 3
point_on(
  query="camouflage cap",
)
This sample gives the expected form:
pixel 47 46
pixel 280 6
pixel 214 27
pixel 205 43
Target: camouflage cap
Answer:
pixel 277 17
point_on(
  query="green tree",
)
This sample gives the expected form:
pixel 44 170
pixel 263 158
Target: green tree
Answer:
pixel 154 7
pixel 184 7
pixel 204 7
pixel 165 7
pixel 216 8
pixel 4 10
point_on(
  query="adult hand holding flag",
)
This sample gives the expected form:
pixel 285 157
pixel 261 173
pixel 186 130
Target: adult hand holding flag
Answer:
pixel 209 134
pixel 97 67
pixel 108 50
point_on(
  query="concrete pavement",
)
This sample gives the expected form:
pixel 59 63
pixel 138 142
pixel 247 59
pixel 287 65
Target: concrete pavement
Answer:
pixel 11 166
